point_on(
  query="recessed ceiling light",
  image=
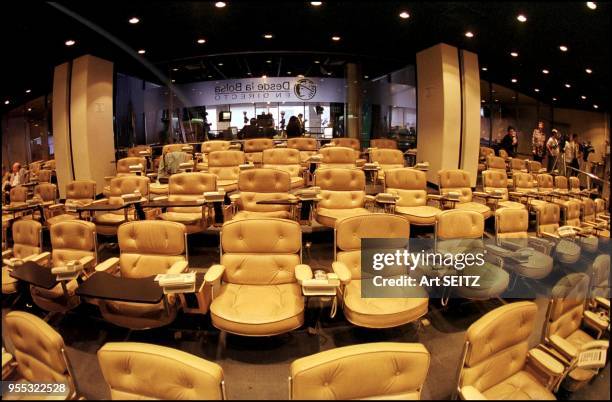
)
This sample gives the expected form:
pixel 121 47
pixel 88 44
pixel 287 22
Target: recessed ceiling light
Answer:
pixel 317 62
pixel 588 71
pixel 365 77
pixel 568 86
pixel 583 97
pixel 28 91
pixel 514 80
pixel 29 109
pixel 69 42
pixel 469 34
pixel 269 61
pixel 175 69
pixel 404 15
pixel 173 80
pixel 545 71
pixel 142 51
pixel 288 72
pixel 591 5
pixel 521 17
pixel 6 102
pixel 595 107
pixel 496 100
pixel 484 69
pixel 220 4
pixel 329 73
pixel 201 41
pixel 554 99
pixel 514 54
pixel 482 101
pixel 249 73
pixel 264 76
pixel 220 64
pixel 210 76
pixel 537 90
pixel 563 48
pixel 268 36
pixel 335 38
pixel 134 20
pixel 316 3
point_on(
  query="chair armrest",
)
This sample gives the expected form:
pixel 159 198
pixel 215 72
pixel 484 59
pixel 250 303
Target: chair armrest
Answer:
pixel 603 302
pixel 594 321
pixel 214 273
pixel 87 261
pixel 370 199
pixel 550 235
pixel 594 345
pixel 234 198
pixel 107 265
pixel 178 267
pixel 100 201
pixel 302 272
pixel 7 253
pixel 56 206
pixel 436 197
pixel 482 194
pixel 40 259
pixel 472 394
pixel 563 346
pixel 161 198
pixel 546 362
pixel 344 274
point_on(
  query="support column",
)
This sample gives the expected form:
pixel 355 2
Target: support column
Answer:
pixel 354 113
pixel 470 96
pixel 61 127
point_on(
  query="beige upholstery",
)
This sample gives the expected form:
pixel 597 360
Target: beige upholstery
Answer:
pixel 27 241
pixel 81 191
pixel 484 153
pixel 410 185
pixel 306 146
pixel 373 312
pixel 39 350
pixel 503 154
pixel 123 165
pixel 18 195
pixel 44 176
pixel 225 164
pixel 189 187
pixel 342 194
pixel 534 167
pixel 47 193
pixel 107 222
pixel 347 142
pixel 259 295
pixel 387 159
pixel 547 222
pixel 561 184
pixel 147 248
pixel 263 184
pixel 211 146
pixel 496 350
pixel 145 371
pixel 456 180
pixel 496 163
pixel 70 241
pixel 178 147
pixel 338 157
pixel 574 184
pixel 387 143
pixel 384 370
pixel 287 159
pixel 135 151
pixel 50 164
pixel 254 148
pixel 518 165
pixel 523 183
pixel 545 183
pixel 496 181
pixel 600 277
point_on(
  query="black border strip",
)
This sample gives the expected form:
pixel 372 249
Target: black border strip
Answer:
pixel 68 112
pixel 461 106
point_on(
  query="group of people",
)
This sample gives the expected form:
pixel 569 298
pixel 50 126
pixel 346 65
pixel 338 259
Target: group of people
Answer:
pixel 295 127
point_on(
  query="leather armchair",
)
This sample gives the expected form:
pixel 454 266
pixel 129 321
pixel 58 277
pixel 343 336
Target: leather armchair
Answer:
pixel 253 149
pixel 600 283
pixel 384 370
pixel 496 163
pixel 226 165
pixel 147 248
pixel 81 191
pixel 138 149
pixel 342 194
pixel 72 240
pixel 347 142
pixel 383 143
pixel 44 175
pixel 190 187
pixel 548 216
pixel 518 166
pixel 306 146
pixel 27 243
pixel 482 157
pixel 144 371
pixel 387 159
pixel 338 157
pixel 40 351
pixel 523 186
pixel 123 169
pixel 53 211
pixel 288 160
pixel 456 180
pixel 410 185
pixel 263 184
pixel 495 362
pixel 496 182
pixel 372 312
pixel 19 195
pixel 259 293
pixel 206 148
pixel 177 147
pixel 50 164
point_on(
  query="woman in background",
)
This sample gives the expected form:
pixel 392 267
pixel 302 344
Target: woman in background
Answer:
pixel 294 128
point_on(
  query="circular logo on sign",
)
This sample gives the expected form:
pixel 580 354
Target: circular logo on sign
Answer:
pixel 305 89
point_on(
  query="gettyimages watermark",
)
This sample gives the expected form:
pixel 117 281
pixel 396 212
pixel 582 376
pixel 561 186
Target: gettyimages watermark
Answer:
pixel 514 268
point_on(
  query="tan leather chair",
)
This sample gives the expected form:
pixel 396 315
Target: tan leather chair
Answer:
pixel 547 226
pixel 494 182
pixel 107 222
pixel 177 147
pixel 44 176
pixel 19 195
pixel 386 143
pixel 561 184
pixel 253 149
pixel 563 332
pixel 503 154
pixel 27 243
pixel 263 184
pixel 535 168
pixel 81 191
pixel 342 194
pixel 518 166
pixel 482 157
pixel 190 187
pixel 138 150
pixel 144 371
pixel 410 185
pixel 458 181
pixel 600 282
pixel 338 157
pixel 123 169
pixel 226 165
pixel 372 312
pixel 387 159
pixel 73 240
pixel 260 294
pixel 40 351
pixel 287 159
pixel 210 146
pixel 147 248
pixel 54 212
pixel 385 370
pixel 523 185
pixel 50 164
pixel 497 362
pixel 347 143
pixel 34 168
pixel 496 163
pixel 306 146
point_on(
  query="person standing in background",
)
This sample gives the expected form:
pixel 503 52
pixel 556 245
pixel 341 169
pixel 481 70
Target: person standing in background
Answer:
pixel 302 122
pixel 552 150
pixel 294 128
pixel 538 139
pixel 245 118
pixel 571 154
pixel 281 123
pixel 508 140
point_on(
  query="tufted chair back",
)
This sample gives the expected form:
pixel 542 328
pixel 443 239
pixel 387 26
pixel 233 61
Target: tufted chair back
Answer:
pixel 600 205
pixel 600 277
pixel 39 350
pixel 347 142
pixel 497 345
pixel 287 159
pixel 262 251
pixel 44 176
pixel 503 154
pixel 545 182
pixel 522 182
pixel 35 167
pixel 150 247
pixel 386 370
pixel 349 232
pixel 225 164
pixel 306 146
pixel 18 194
pixel 46 191
pixel 27 238
pixel 341 188
pixel 455 180
pixel 548 216
pixel 588 210
pixel 496 163
pixel 459 224
pixel 253 148
pixel 338 157
pixel 561 184
pixel 386 143
pixel 567 305
pixel 173 148
pixel 215 145
pixel 125 185
pixel 135 151
pixel 50 164
pixel 143 371
pixel 511 223
pixel 534 166
pixel 572 212
pixel 486 151
pixel 495 180
pixel 263 184
pixel 388 158
pixel 82 191
pixel 517 165
pixel 409 184
pixel 123 165
pixel 189 187
pixel 574 184
pixel 73 240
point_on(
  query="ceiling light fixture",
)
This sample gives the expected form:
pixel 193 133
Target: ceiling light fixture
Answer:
pixel 29 109
pixel 6 102
pixel 563 48
pixel 220 4
pixel 568 86
pixel 583 97
pixel 317 62
pixel 554 99
pixel 264 76
pixel 591 5
pixel 514 54
pixel 142 51
pixel 201 41
pixel 288 72
pixel 545 71
pixel 28 91
pixel 595 107
pixel 175 69
pixel 469 34
pixel 268 36
pixel 514 80
pixel 269 61
pixel 316 3
pixel 537 90
pixel 521 18
pixel 365 77
pixel 220 64
pixel 69 42
pixel 134 20
pixel 404 15
pixel 335 38
pixel 588 71
pixel 484 69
